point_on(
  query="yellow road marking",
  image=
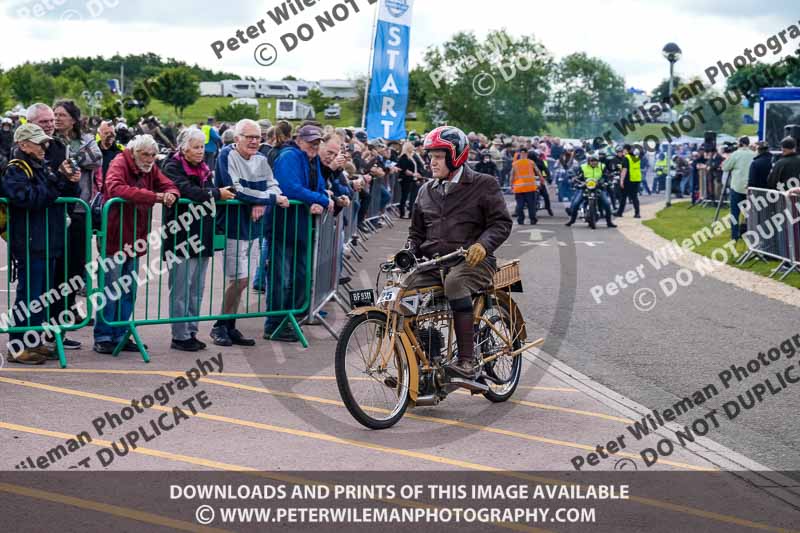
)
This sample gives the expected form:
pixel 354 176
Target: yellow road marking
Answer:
pixel 549 407
pixel 139 449
pixel 211 464
pixel 226 374
pixel 447 422
pixel 453 462
pixel 337 403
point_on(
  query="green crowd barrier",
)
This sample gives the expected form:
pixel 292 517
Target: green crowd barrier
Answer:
pixel 286 231
pixel 18 319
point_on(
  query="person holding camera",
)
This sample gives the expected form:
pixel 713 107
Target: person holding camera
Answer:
pixel 36 234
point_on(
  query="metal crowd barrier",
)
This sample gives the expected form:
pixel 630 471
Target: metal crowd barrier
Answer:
pixel 394 195
pixel 375 198
pixel 312 258
pixel 352 238
pixel 288 226
pixel 326 271
pixel 45 310
pixel 781 242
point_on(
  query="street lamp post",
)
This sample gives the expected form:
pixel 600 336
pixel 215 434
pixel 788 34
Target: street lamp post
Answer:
pixel 672 53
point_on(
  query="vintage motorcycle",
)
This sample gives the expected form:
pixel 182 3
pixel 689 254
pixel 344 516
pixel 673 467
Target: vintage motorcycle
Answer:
pixel 395 353
pixel 590 206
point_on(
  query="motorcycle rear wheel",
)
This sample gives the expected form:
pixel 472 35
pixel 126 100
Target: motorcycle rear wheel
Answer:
pixel 504 368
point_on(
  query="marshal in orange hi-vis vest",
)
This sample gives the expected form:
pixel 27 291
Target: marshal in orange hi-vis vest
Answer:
pixel 525 176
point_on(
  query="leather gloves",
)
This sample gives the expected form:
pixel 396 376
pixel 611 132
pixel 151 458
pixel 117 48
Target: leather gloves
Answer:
pixel 475 254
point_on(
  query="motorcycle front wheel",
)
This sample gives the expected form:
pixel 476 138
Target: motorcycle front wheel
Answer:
pixel 376 395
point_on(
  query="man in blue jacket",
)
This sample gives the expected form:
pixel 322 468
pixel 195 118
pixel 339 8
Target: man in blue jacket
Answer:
pixel 299 174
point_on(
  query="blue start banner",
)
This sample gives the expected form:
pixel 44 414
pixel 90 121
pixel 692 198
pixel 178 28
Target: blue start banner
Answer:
pixel 388 91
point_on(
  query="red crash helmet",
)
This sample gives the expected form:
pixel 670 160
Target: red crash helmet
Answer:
pixel 453 142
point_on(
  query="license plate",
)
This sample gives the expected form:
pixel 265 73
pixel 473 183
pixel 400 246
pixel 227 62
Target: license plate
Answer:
pixel 389 295
pixel 362 298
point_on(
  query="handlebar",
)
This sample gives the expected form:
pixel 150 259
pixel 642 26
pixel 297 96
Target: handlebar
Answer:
pixel 452 255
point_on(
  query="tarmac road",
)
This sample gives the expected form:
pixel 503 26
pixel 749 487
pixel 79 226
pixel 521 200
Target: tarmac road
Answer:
pixel 276 407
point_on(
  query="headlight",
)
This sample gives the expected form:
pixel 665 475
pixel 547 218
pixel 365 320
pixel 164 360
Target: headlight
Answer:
pixel 591 184
pixel 405 260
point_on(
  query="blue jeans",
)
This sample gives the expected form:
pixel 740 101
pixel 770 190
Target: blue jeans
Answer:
pixel 116 309
pixel 564 189
pixel 290 269
pixel 736 197
pixel 685 182
pixel 260 280
pixel 386 197
pixel 41 271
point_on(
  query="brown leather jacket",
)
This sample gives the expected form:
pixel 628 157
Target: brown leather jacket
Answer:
pixel 474 210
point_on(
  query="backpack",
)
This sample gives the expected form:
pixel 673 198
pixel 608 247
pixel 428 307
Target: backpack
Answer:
pixel 26 168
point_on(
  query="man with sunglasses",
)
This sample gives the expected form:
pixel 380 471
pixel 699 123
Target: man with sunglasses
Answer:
pixel 36 234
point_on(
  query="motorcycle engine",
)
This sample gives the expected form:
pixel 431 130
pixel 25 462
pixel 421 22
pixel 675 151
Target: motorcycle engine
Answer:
pixel 431 340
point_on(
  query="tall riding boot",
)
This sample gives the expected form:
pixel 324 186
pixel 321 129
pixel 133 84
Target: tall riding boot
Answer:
pixel 463 326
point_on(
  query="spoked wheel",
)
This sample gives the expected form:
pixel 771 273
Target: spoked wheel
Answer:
pixel 376 394
pixel 505 370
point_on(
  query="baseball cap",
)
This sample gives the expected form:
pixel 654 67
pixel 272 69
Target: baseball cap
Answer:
pixel 31 132
pixel 788 143
pixel 309 133
pixel 265 124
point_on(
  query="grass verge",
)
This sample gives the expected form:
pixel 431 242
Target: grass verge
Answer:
pixel 679 222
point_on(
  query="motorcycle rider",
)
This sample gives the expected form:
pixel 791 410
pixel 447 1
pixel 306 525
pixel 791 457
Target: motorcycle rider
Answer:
pixel 565 170
pixel 592 169
pixel 458 208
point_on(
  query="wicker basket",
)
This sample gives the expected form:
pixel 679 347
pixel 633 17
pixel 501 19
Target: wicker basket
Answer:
pixel 507 274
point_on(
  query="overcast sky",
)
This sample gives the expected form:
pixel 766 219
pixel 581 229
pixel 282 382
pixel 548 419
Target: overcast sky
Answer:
pixel 628 34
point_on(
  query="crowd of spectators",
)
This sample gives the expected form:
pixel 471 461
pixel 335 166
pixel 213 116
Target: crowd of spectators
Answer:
pixel 55 152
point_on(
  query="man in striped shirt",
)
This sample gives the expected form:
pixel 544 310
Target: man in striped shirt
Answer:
pixel 241 167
